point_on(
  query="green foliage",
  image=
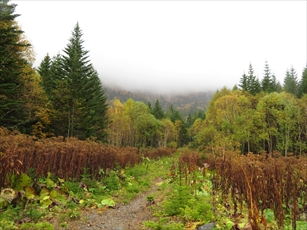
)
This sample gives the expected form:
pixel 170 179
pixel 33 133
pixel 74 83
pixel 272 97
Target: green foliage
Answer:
pixel 7 224
pixel 157 111
pixel 74 214
pixel 37 226
pixel 268 83
pixel 269 215
pixel 249 82
pixel 301 224
pixel 291 82
pixel 133 188
pixel 19 182
pixel 137 171
pixel 75 92
pixel 46 76
pixel 108 202
pixel 112 182
pixel 11 214
pixel 178 201
pixel 35 212
pixel 150 198
pixel 302 88
pixel 12 63
pixel 164 224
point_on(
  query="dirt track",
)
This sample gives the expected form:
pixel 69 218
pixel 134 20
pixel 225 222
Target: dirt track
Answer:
pixel 123 217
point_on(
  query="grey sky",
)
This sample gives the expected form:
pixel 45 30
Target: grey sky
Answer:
pixel 173 45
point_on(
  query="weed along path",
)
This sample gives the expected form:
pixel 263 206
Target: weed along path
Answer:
pixel 122 216
pixel 141 193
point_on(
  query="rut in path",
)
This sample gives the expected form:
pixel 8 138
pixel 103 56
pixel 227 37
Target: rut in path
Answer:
pixel 124 217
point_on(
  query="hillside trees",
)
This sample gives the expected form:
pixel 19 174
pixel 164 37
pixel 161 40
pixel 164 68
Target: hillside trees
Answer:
pixel 133 124
pixel 236 120
pixel 75 91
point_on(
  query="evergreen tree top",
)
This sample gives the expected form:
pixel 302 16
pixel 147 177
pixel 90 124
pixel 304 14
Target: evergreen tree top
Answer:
pixel 7 11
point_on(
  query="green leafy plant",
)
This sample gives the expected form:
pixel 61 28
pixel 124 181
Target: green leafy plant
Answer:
pixel 74 214
pixel 150 198
pixel 34 213
pixel 108 202
pixel 7 225
pixel 177 201
pixel 164 224
pixel 37 226
pixel 112 182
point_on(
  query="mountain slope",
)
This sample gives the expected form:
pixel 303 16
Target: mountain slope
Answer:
pixel 186 102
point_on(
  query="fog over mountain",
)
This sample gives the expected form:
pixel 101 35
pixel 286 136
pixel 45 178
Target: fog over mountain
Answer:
pixel 173 46
pixel 186 102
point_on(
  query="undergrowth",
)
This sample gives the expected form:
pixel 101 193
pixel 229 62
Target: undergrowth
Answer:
pixel 30 201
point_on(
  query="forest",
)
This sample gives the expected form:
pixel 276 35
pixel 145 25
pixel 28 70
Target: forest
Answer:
pixel 57 126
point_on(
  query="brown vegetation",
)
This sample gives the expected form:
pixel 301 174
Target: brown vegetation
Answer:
pixel 64 158
pixel 262 182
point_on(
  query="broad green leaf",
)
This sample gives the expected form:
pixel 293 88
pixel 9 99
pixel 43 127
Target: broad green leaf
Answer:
pixel 30 192
pixel 108 202
pixel 269 215
pixel 54 194
pixel 50 183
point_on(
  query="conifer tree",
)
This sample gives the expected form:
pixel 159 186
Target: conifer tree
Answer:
pixel 94 117
pixel 157 111
pixel 149 107
pixel 12 65
pixel 267 82
pixel 75 92
pixel 276 86
pixel 290 82
pixel 303 83
pixel 249 82
pixel 253 82
pixel 243 83
pixel 45 73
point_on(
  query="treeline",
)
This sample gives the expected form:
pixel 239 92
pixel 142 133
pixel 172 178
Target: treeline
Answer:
pixel 185 103
pixel 136 124
pixel 250 83
pixel 270 119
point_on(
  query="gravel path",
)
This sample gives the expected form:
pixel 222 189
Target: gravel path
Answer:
pixel 122 217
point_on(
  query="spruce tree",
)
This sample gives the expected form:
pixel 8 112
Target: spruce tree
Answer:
pixel 45 73
pixel 290 82
pixel 303 83
pixel 149 107
pixel 94 116
pixel 249 82
pixel 276 86
pixel 252 81
pixel 79 98
pixel 157 110
pixel 243 83
pixel 269 83
pixel 12 65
